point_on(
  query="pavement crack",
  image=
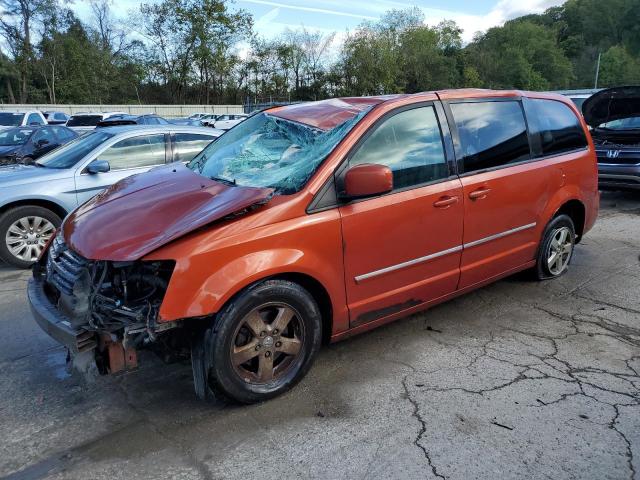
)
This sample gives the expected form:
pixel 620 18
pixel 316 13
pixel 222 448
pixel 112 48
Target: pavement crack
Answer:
pixel 629 452
pixel 422 430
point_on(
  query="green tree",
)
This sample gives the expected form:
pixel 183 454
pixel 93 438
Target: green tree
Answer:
pixel 425 63
pixel 18 19
pixel 521 54
pixel 619 67
pixel 192 40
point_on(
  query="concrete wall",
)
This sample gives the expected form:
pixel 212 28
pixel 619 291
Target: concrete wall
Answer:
pixel 167 111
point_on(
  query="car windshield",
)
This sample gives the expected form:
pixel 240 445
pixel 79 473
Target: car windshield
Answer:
pixel 15 136
pixel 268 151
pixel 631 123
pixel 84 121
pixel 11 119
pixel 71 153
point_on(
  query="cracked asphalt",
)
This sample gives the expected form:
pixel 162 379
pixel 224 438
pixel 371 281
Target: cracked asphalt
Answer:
pixel 516 380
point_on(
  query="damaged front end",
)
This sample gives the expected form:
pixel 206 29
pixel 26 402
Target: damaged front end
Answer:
pixel 107 310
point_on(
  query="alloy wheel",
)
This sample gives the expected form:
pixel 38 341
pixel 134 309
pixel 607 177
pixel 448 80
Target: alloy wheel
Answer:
pixel 27 236
pixel 560 250
pixel 267 343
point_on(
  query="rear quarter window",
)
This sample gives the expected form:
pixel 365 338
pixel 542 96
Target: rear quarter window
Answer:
pixel 554 127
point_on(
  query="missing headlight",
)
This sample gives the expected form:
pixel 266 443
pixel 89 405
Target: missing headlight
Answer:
pixel 126 295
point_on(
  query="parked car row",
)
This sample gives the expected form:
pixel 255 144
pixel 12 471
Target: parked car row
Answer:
pixel 219 121
pixel 86 121
pixel 304 223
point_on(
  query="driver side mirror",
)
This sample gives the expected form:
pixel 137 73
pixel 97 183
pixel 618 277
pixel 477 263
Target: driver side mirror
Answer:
pixel 367 180
pixel 98 166
pixel 41 143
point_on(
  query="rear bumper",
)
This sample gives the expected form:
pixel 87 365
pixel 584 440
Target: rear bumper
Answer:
pixel 619 176
pixel 56 325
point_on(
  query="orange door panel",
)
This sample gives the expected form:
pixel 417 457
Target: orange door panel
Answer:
pixel 401 250
pixel 504 192
pixel 502 217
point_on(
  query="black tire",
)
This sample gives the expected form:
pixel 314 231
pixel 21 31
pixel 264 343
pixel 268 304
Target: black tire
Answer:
pixel 213 349
pixel 543 271
pixel 11 216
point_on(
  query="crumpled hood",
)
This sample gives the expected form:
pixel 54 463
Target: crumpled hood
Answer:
pixel 141 213
pixel 611 104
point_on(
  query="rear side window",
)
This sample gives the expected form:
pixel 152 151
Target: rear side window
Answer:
pixel 44 134
pixel 492 134
pixel 410 144
pixel 554 127
pixel 63 134
pixel 136 152
pixel 188 145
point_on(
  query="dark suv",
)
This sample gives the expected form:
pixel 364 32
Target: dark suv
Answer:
pixel 148 119
pixel 614 115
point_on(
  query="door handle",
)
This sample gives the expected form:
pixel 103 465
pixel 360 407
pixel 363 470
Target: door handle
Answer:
pixel 479 194
pixel 445 202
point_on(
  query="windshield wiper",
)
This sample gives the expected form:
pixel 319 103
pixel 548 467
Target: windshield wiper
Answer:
pixel 226 181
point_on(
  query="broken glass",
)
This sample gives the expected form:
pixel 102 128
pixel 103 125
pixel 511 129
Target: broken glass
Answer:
pixel 269 151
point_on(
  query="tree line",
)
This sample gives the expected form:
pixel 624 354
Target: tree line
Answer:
pixel 207 52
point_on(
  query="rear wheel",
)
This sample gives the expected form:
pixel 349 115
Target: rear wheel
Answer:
pixel 24 231
pixel 262 344
pixel 556 248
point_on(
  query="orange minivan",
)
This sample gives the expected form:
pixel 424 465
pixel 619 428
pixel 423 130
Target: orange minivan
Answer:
pixel 312 222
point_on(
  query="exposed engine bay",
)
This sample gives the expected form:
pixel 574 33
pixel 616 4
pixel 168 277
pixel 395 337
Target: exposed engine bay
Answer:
pixel 114 304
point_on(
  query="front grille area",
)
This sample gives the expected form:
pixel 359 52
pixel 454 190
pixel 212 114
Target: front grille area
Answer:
pixel 64 266
pixel 620 157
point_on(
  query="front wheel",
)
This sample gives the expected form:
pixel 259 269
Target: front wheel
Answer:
pixel 556 248
pixel 24 231
pixel 262 343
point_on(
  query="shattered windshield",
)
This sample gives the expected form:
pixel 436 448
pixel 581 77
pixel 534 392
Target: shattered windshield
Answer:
pixel 268 151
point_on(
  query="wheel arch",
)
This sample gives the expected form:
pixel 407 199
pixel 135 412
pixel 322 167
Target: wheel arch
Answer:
pixel 319 294
pixel 576 210
pixel 35 202
pixel 315 288
pixel 230 279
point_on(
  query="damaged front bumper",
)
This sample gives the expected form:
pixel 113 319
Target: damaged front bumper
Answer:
pixel 54 323
pixel 99 310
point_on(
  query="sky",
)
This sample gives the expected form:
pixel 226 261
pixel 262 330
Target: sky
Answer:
pixel 273 16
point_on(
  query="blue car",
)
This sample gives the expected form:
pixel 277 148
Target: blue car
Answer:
pixel 26 144
pixel 35 198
